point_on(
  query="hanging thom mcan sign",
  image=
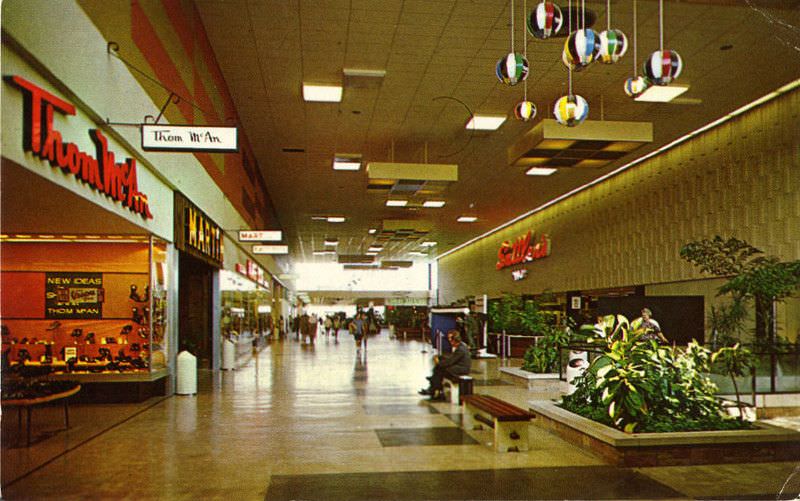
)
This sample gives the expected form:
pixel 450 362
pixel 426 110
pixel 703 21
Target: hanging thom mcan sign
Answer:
pixel 101 172
pixel 522 251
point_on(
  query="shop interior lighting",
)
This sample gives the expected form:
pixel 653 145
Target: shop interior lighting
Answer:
pixel 715 123
pixel 428 244
pixel 466 219
pixel 347 161
pixel 434 203
pixel 396 203
pixel 485 122
pixel 540 171
pixel 336 219
pixel 662 93
pixel 322 93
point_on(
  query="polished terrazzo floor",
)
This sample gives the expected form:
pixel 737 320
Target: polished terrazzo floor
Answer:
pixel 325 422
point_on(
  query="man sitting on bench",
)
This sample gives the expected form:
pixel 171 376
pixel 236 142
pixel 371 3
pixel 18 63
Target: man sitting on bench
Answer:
pixel 451 366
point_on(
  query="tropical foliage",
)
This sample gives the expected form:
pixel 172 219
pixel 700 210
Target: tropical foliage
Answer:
pixel 544 355
pixel 640 386
pixel 751 275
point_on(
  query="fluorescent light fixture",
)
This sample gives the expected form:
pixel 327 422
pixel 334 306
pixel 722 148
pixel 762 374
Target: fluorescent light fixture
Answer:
pixel 540 171
pixel 371 253
pixel 375 248
pixel 372 231
pixel 331 241
pixel 662 93
pixel 336 219
pixel 322 93
pixel 347 161
pixel 396 203
pixel 363 72
pixel 485 122
pixel 339 165
pixel 433 203
pixel 417 253
pixel 466 219
pixel 323 253
pixel 428 244
pixel 270 249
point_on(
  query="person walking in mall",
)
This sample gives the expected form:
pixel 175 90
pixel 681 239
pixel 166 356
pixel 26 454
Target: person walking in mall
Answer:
pixel 335 326
pixel 358 328
pixel 456 364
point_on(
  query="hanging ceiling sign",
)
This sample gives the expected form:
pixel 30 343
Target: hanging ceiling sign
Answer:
pixel 270 249
pixel 521 250
pixel 101 172
pixel 260 236
pixel 190 138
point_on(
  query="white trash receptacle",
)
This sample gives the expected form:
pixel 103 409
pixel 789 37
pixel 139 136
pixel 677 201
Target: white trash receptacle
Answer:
pixel 228 355
pixel 578 362
pixel 187 374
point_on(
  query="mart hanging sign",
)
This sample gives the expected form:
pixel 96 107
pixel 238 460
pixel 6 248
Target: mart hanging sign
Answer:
pixel 522 250
pixel 100 171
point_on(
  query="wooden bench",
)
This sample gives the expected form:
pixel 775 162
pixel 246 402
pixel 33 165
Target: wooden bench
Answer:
pixel 510 423
pixel 456 389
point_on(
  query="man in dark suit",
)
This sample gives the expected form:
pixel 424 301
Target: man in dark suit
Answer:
pixel 457 363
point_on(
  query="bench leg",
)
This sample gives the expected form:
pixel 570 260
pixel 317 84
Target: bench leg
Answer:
pixel 510 436
pixel 451 391
pixel 468 419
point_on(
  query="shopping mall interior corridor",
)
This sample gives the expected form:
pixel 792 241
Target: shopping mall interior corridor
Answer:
pixel 326 422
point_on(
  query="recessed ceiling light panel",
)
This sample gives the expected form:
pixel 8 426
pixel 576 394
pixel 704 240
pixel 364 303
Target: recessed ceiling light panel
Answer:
pixel 540 171
pixel 434 203
pixel 336 219
pixel 322 93
pixel 662 93
pixel 485 122
pixel 396 203
pixel 467 219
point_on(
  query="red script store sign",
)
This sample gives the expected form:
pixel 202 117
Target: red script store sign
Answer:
pixel 521 251
pixel 116 180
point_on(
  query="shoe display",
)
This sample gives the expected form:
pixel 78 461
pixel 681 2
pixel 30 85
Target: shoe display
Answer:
pixel 136 316
pixel 5 330
pixel 90 338
pixel 55 324
pixel 126 330
pixel 76 333
pixel 134 294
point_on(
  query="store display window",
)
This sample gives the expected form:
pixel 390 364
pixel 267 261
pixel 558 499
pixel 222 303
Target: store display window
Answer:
pixel 246 309
pixel 84 304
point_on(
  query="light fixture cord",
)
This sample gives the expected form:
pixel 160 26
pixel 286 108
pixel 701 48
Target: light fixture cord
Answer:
pixel 634 39
pixel 661 25
pixel 608 15
pixel 512 26
pixel 524 46
pixel 569 66
pixel 583 14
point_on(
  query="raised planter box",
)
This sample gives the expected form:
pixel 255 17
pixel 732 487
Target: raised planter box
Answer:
pixel 533 381
pixel 764 444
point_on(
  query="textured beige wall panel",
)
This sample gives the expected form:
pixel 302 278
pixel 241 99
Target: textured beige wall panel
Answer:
pixel 741 179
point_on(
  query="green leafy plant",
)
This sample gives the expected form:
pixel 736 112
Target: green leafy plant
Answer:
pixel 737 362
pixel 751 276
pixel 544 355
pixel 639 386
